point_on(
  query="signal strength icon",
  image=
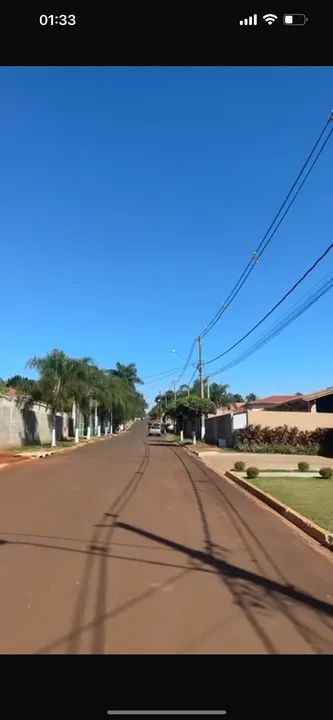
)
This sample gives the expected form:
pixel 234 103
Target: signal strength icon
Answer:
pixel 252 20
pixel 270 18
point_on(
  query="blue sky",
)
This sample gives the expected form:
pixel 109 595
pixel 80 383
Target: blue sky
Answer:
pixel 133 197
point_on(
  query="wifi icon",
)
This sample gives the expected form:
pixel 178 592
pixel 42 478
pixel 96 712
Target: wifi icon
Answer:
pixel 270 18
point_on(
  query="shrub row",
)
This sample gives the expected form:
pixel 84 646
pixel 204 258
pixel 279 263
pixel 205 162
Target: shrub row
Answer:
pixel 284 439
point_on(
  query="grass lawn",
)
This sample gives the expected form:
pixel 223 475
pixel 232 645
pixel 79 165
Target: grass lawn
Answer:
pixel 187 441
pixel 41 447
pixel 311 497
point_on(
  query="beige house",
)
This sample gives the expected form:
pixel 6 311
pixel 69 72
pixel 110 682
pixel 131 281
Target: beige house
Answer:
pixel 307 412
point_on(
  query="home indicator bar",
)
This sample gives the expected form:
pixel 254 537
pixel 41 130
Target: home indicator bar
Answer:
pixel 197 713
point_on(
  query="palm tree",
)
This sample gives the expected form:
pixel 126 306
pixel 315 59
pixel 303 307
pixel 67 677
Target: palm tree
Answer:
pixel 54 374
pixel 114 398
pixel 86 384
pixel 128 372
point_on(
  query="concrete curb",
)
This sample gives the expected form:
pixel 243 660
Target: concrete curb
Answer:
pixel 191 452
pixel 185 447
pixel 324 537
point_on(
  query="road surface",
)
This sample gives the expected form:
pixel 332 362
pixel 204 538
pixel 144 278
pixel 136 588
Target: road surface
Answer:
pixel 132 546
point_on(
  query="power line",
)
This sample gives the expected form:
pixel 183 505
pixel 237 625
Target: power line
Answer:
pixel 193 376
pixel 161 376
pixel 188 359
pixel 268 237
pixel 279 326
pixel 284 297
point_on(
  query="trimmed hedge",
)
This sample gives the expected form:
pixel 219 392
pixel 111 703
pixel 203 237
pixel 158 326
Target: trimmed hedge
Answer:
pixel 303 466
pixel 326 473
pixel 284 439
pixel 252 472
pixel 239 465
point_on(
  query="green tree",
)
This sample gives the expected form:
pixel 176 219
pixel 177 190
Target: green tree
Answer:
pixel 128 372
pixel 191 407
pixel 196 388
pixel 219 394
pixel 184 390
pixel 25 386
pixel 154 412
pixel 126 401
pixel 85 384
pixel 251 397
pixel 237 398
pixel 54 381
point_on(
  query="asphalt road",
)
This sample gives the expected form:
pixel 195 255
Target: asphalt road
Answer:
pixel 132 546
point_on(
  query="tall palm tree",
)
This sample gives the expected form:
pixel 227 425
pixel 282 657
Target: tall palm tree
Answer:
pixel 86 385
pixel 219 394
pixel 128 372
pixel 54 375
pixel 113 397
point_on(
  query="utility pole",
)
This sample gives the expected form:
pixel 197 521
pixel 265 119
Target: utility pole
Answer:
pixel 208 389
pixel 174 390
pixel 200 368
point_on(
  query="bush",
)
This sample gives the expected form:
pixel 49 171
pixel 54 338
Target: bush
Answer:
pixel 252 472
pixel 284 439
pixel 303 466
pixel 239 465
pixel 277 448
pixel 326 473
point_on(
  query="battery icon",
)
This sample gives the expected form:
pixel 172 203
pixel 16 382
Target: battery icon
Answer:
pixel 295 19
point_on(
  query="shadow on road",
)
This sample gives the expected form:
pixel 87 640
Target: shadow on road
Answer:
pixel 222 567
pixel 229 570
pixel 246 597
pixel 247 586
pixel 248 604
pixel 99 545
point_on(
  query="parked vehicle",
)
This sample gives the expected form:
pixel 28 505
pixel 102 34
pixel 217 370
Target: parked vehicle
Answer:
pixel 155 429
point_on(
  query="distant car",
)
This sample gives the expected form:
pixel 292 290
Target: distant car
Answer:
pixel 155 428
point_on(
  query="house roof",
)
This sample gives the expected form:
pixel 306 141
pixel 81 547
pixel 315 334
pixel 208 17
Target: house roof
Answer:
pixel 318 394
pixel 273 399
pixel 310 396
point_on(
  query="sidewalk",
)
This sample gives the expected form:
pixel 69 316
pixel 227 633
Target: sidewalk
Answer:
pixel 223 461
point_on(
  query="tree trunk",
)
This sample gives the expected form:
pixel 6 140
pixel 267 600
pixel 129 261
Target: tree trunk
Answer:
pixel 76 421
pixel 96 417
pixel 89 420
pixel 53 436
